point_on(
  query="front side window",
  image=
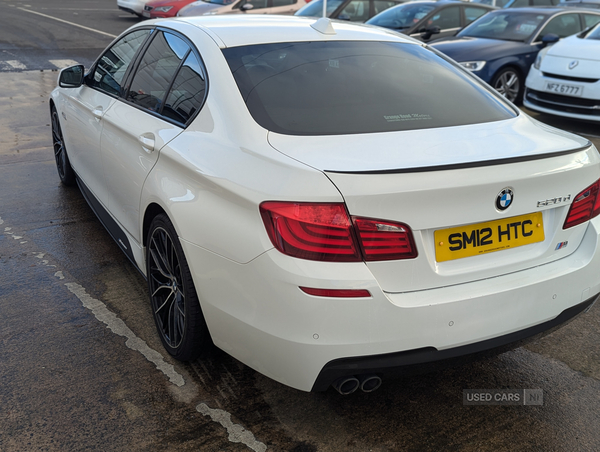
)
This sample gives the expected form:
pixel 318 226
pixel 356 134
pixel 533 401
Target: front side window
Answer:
pixel 157 70
pixel 355 11
pixel 113 64
pixel 446 18
pixel 276 3
pixel 401 17
pixel 315 8
pixel 346 87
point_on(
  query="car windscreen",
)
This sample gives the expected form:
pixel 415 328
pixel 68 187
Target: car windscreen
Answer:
pixel 507 26
pixel 315 8
pixel 349 87
pixel 401 17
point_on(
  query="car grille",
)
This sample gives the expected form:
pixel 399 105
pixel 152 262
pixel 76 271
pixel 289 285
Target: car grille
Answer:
pixel 567 104
pixel 572 79
pixel 148 8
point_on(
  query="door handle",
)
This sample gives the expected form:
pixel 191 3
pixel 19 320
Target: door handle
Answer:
pixel 147 141
pixel 98 112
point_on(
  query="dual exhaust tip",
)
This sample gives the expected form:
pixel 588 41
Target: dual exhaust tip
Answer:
pixel 366 383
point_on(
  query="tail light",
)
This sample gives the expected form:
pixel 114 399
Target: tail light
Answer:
pixel 325 232
pixel 586 206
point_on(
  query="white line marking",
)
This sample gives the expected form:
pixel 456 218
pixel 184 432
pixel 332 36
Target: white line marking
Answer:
pixel 16 64
pixel 63 63
pixel 237 433
pixel 117 326
pixel 67 22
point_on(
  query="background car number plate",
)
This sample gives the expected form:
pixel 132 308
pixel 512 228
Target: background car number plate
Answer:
pixel 488 237
pixel 567 90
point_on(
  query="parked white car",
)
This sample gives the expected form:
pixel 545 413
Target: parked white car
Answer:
pixel 212 7
pixel 132 6
pixel 565 78
pixel 291 202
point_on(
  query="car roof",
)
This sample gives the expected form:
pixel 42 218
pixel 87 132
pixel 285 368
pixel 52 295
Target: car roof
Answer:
pixel 237 30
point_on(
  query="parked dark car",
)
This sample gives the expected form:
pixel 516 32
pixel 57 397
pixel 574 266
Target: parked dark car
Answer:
pixel 430 20
pixel 501 46
pixel 352 10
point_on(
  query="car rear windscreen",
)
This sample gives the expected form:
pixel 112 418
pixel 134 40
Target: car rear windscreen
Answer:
pixel 349 87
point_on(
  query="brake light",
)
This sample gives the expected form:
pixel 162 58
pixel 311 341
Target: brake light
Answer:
pixel 325 232
pixel 585 206
pixel 385 240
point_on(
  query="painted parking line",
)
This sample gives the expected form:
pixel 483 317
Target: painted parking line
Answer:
pixel 15 64
pixel 69 23
pixel 60 64
pixel 236 432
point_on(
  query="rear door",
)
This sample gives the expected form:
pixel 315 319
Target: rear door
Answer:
pixel 166 90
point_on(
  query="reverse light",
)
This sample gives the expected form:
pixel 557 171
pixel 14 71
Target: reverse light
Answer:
pixel 325 232
pixel 473 66
pixel 586 206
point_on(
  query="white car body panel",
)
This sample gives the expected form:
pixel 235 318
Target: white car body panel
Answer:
pixel 556 60
pixel 424 148
pixel 136 6
pixel 211 177
pixel 83 127
pixel 244 317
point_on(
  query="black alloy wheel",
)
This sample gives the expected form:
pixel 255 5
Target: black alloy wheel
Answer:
pixel 173 297
pixel 65 172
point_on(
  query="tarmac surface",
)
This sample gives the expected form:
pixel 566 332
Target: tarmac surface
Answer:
pixel 81 366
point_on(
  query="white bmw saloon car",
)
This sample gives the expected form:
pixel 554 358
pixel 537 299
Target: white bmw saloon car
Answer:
pixel 565 78
pixel 328 203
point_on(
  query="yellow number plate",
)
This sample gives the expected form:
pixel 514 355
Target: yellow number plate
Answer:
pixel 483 238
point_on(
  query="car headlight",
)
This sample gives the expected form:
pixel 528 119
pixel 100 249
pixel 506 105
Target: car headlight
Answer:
pixel 473 66
pixel 210 13
pixel 163 9
pixel 538 61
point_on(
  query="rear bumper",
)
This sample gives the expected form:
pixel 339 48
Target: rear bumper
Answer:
pixel 428 359
pixel 257 314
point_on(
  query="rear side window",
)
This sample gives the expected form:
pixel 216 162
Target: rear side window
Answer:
pixel 187 93
pixel 170 79
pixel 330 88
pixel 113 64
pixel 157 70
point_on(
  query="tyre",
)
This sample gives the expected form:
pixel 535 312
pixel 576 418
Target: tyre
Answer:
pixel 173 297
pixel 509 83
pixel 65 172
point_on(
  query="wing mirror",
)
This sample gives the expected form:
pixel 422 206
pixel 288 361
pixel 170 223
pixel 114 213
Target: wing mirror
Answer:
pixel 549 39
pixel 246 6
pixel 71 77
pixel 426 33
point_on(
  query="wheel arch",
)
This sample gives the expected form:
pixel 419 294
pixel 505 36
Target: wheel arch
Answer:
pixel 152 210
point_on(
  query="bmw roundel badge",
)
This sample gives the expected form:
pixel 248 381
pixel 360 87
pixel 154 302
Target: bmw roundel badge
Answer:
pixel 504 199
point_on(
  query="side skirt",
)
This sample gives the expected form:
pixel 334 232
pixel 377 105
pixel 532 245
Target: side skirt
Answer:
pixel 109 223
